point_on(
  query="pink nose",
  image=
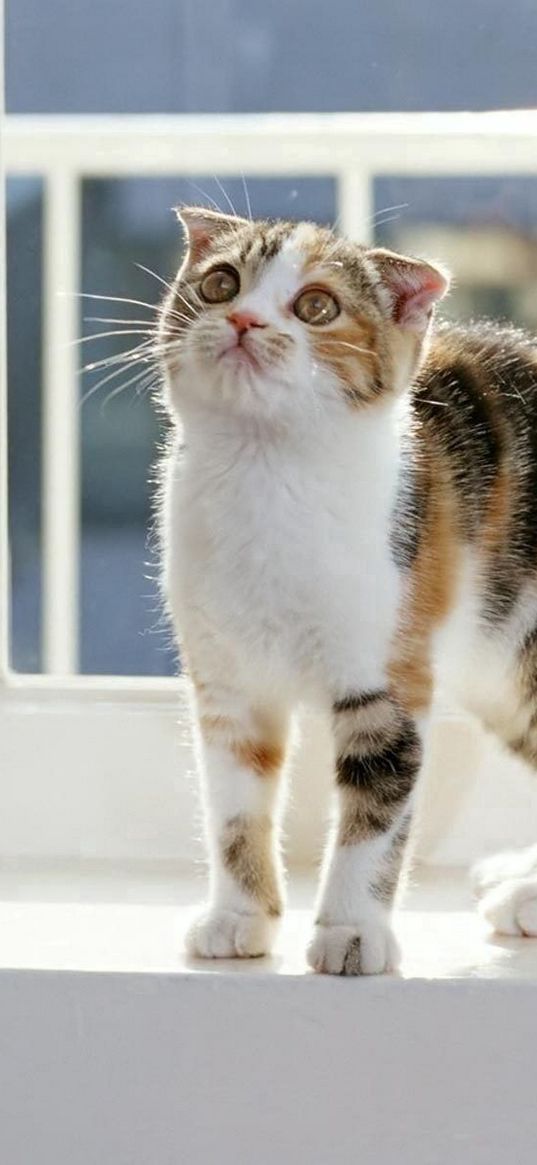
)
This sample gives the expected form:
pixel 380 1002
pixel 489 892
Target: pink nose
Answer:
pixel 242 321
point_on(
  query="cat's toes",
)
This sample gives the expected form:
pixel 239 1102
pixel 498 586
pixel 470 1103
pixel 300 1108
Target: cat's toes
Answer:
pixel 226 934
pixel 369 949
pixel 511 907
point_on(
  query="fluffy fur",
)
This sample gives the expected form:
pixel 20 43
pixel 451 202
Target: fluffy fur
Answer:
pixel 349 518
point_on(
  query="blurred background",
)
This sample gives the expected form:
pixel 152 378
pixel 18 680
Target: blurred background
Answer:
pixel 181 56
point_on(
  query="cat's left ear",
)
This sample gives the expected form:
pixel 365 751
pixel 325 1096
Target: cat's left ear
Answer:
pixel 412 287
pixel 202 226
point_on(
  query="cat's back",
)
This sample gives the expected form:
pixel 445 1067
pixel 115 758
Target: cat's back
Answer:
pixel 475 476
pixel 475 403
pixel 477 393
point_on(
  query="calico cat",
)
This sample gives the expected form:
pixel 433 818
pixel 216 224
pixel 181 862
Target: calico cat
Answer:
pixel 349 518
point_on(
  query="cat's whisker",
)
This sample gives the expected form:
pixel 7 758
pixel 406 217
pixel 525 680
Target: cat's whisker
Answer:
pixel 146 349
pixel 149 349
pixel 152 330
pixel 387 209
pixel 140 376
pixel 148 271
pixel 226 196
pixel 146 353
pixel 390 218
pixel 204 194
pixel 187 303
pixel 141 350
pixel 184 319
pixel 104 335
pixel 111 376
pixel 109 298
pixel 115 320
pixel 353 347
pixel 246 197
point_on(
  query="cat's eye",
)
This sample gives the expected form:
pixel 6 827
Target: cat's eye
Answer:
pixel 316 306
pixel 220 285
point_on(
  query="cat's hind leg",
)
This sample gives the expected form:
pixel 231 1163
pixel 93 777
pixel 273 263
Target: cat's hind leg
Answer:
pixel 241 753
pixel 506 886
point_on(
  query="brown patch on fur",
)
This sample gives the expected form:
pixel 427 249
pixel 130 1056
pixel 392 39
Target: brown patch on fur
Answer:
pixel 246 844
pixel 431 590
pixel 350 351
pixel 264 758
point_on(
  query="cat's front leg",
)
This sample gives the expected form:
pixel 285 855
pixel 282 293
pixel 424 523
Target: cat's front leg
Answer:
pixel 378 750
pixel 241 753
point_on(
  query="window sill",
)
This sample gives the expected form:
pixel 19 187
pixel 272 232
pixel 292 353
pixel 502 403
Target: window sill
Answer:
pixel 115 1050
pixel 130 917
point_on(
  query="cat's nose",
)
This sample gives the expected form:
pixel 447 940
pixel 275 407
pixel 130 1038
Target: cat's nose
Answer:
pixel 242 321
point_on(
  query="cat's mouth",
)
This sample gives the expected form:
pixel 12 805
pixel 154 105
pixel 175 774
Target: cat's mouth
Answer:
pixel 238 354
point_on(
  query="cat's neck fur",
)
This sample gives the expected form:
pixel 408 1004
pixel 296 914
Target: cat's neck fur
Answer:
pixel 357 451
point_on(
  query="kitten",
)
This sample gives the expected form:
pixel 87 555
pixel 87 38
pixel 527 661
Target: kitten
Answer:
pixel 351 521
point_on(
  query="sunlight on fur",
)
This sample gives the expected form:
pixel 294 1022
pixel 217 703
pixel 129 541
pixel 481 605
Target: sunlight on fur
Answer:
pixel 348 519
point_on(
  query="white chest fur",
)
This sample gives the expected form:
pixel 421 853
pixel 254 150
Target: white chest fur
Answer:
pixel 279 543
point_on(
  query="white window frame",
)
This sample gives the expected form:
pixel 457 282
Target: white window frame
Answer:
pixel 92 766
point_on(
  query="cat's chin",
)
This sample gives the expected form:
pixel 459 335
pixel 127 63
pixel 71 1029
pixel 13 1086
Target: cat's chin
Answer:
pixel 235 358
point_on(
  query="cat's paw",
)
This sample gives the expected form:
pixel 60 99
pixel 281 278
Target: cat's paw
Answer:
pixel 492 871
pixel 511 907
pixel 370 949
pixel 226 934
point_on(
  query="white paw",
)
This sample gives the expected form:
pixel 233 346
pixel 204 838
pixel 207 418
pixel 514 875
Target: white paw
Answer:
pixel 225 934
pixel 499 868
pixel 511 907
pixel 368 949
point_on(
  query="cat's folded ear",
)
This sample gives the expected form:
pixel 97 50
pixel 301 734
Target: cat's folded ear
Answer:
pixel 203 226
pixel 410 288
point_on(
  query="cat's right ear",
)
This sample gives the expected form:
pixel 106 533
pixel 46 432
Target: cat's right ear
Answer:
pixel 202 227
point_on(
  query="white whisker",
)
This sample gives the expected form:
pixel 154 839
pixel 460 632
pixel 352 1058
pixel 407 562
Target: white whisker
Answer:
pixel 113 320
pixel 148 271
pixel 106 380
pixel 387 209
pixel 141 350
pixel 147 352
pixel 204 194
pixel 226 196
pixel 247 197
pixel 114 332
pixel 354 347
pixel 140 376
pixel 390 218
pixel 110 298
pixel 186 302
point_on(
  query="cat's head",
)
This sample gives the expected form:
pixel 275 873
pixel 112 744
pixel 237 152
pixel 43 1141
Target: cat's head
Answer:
pixel 269 317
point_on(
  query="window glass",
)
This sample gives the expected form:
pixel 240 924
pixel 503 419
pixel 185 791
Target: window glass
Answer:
pixel 24 220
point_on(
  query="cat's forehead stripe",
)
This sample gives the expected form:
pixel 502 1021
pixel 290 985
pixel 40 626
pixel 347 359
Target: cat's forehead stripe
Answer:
pixel 277 278
pixel 263 242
